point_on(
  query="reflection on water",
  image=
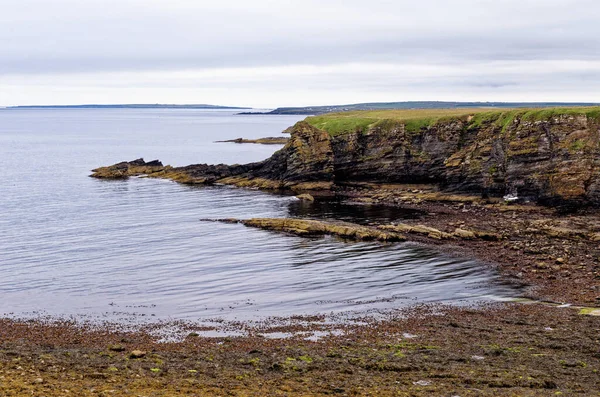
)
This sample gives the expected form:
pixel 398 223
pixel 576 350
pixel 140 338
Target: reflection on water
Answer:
pixel 135 250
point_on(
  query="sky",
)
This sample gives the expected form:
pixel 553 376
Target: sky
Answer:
pixel 265 53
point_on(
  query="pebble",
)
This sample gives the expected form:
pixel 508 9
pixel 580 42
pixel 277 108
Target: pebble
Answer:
pixel 137 354
pixel 422 383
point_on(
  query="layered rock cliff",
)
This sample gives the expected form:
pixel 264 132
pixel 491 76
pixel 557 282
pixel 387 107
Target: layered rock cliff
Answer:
pixel 553 159
pixel 550 156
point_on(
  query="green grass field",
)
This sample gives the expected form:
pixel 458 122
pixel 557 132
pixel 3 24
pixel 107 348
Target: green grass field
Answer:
pixel 417 119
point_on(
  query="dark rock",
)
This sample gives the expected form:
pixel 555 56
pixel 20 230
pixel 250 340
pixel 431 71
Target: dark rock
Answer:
pixel 116 348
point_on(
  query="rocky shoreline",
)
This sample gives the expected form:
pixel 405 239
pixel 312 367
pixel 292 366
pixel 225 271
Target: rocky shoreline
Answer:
pixel 498 350
pixel 548 156
pixel 456 169
pixel 557 256
pixel 455 172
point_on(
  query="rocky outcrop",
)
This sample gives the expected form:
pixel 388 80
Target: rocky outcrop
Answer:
pixel 307 157
pixel 353 231
pixel 191 174
pixel 304 163
pixel 436 234
pixel 310 228
pixel 549 156
pixel 126 169
pixel 549 160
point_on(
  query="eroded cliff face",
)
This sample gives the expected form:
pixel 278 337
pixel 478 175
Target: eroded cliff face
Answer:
pixel 307 157
pixel 553 160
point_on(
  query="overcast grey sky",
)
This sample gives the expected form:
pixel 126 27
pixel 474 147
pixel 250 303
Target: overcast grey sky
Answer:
pixel 267 53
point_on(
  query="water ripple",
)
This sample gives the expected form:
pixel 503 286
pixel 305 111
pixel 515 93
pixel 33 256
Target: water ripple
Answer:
pixel 72 245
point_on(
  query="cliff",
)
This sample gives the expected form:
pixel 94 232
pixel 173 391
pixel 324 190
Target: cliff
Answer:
pixel 551 156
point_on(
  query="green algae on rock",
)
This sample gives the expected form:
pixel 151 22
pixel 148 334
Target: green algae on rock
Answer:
pixel 310 227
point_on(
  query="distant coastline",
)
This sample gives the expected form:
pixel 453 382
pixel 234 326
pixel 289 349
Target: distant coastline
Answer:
pixel 127 106
pixel 316 110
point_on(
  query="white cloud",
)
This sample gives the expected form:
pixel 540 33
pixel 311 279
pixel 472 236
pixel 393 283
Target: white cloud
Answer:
pixel 270 53
pixel 316 84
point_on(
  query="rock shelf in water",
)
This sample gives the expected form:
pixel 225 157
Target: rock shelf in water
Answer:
pixel 262 141
pixel 353 231
pixel 311 228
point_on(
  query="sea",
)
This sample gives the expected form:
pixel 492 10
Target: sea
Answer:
pixel 76 247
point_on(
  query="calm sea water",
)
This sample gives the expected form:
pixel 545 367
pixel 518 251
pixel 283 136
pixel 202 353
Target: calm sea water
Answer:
pixel 71 245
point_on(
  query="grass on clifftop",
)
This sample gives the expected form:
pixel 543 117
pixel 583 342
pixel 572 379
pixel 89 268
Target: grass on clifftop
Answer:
pixel 417 119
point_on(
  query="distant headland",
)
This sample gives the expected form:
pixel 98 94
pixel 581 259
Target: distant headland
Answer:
pixel 128 106
pixel 315 110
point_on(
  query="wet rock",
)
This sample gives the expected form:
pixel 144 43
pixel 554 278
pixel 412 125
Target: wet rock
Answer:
pixel 153 163
pixel 464 234
pixel 97 375
pixel 417 229
pixel 305 197
pixel 309 227
pixel 422 383
pixel 138 162
pixel 541 265
pixel 488 236
pixel 126 169
pixel 563 232
pixel 590 311
pixel 137 354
